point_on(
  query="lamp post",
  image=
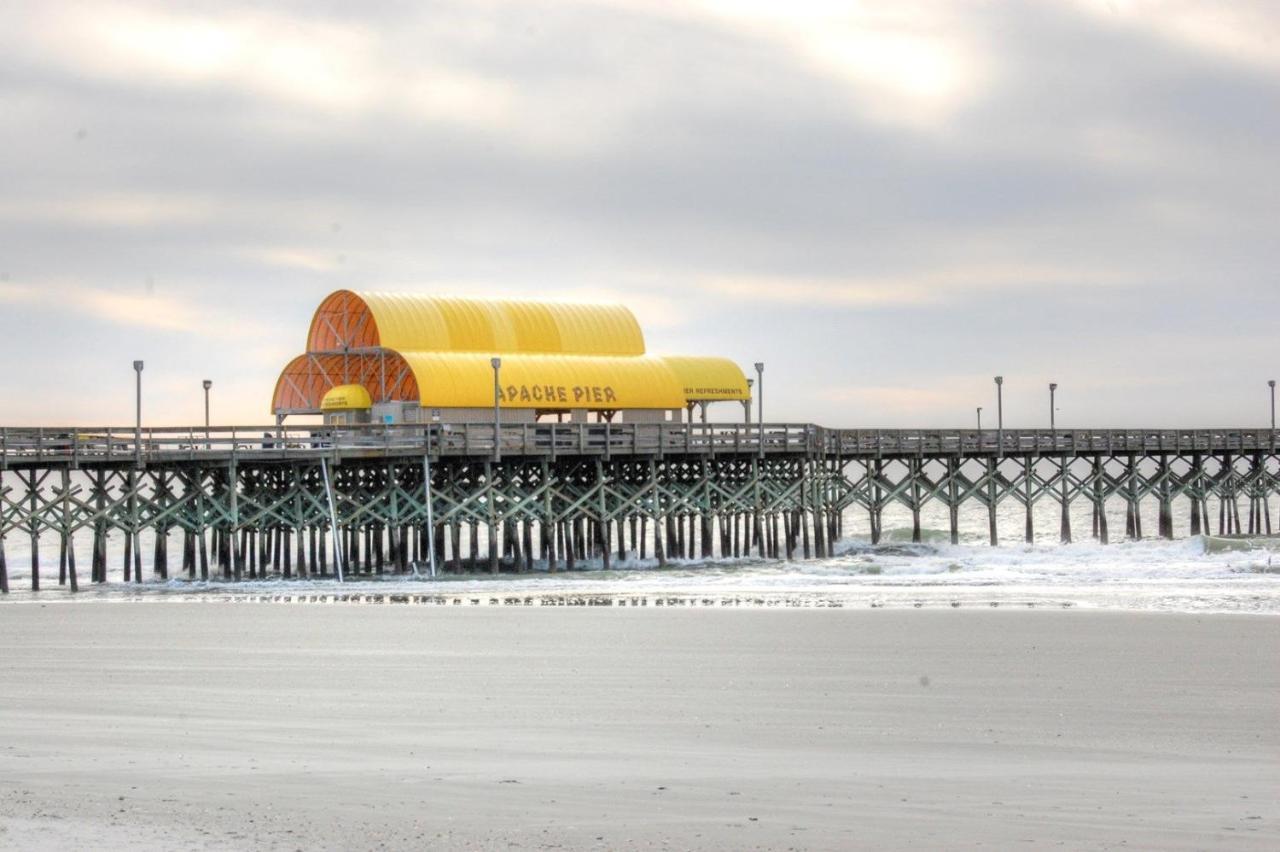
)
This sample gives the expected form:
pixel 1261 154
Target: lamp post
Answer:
pixel 1000 414
pixel 979 421
pixel 760 403
pixel 496 363
pixel 1272 384
pixel 137 428
pixel 1053 388
pixel 207 384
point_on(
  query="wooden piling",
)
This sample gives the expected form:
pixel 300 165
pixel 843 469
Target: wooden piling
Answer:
pixel 1028 471
pixel 1197 483
pixel 873 498
pixel 1064 528
pixel 4 564
pixel 914 469
pixel 991 501
pixel 953 499
pixel 34 528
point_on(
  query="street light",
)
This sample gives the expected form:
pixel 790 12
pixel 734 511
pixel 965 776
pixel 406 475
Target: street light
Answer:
pixel 207 384
pixel 1272 384
pixel 137 428
pixel 1053 387
pixel 496 363
pixel 760 402
pixel 1000 414
pixel 979 418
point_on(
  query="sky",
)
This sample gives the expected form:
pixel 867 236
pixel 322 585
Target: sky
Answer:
pixel 887 203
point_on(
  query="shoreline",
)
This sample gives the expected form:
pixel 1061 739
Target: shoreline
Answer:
pixel 350 726
pixel 1190 597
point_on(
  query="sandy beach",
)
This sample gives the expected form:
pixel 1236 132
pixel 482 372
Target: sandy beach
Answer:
pixel 231 726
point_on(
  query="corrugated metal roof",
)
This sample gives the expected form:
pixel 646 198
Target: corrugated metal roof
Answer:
pixel 465 380
pixel 708 378
pixel 420 323
pixel 555 356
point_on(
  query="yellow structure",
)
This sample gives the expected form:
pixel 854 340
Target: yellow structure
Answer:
pixel 409 353
pixel 347 398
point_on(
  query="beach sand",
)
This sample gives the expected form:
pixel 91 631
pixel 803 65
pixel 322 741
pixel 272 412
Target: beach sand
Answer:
pixel 230 726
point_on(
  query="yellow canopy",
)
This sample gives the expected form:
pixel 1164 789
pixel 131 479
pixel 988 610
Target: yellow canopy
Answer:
pixel 465 380
pixel 436 351
pixel 710 379
pixel 346 398
pixel 415 322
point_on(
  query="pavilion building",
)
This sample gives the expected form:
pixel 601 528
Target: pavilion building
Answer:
pixel 412 358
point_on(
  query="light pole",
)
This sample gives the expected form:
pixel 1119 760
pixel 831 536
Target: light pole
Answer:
pixel 137 428
pixel 760 402
pixel 1272 384
pixel 1000 414
pixel 979 420
pixel 1053 387
pixel 496 363
pixel 207 384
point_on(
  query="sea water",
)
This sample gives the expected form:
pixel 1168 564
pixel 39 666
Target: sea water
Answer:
pixel 1188 574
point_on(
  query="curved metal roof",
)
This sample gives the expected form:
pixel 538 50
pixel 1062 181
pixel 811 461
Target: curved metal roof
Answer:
pixel 413 322
pixel 465 380
pixel 305 380
pixel 707 378
pixel 436 351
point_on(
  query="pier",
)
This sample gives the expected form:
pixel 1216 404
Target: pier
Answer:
pixel 320 501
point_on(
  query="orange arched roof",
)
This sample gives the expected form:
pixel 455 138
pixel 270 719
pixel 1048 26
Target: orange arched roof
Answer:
pixel 307 378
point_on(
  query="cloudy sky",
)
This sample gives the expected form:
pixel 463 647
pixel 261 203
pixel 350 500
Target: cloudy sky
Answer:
pixel 888 203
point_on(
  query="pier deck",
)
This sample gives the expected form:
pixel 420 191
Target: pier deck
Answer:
pixel 88 446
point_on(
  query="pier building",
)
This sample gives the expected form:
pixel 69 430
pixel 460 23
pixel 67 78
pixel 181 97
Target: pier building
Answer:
pixel 393 358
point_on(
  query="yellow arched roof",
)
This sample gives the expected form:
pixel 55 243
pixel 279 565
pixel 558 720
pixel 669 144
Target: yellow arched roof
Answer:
pixel 703 378
pixel 419 323
pixel 545 382
pixel 465 380
pixel 436 351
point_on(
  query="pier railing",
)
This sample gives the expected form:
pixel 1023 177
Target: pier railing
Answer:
pixel 75 445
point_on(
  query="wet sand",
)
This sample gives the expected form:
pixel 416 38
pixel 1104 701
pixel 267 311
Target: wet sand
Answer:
pixel 230 726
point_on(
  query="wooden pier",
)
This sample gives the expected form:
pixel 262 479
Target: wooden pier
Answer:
pixel 265 502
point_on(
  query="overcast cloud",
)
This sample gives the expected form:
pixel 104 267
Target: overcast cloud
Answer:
pixel 887 205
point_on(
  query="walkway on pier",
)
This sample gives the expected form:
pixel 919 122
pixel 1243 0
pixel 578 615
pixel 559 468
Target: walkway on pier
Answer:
pixel 24 447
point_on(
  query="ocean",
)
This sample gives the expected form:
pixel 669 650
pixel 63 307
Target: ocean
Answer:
pixel 1201 574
